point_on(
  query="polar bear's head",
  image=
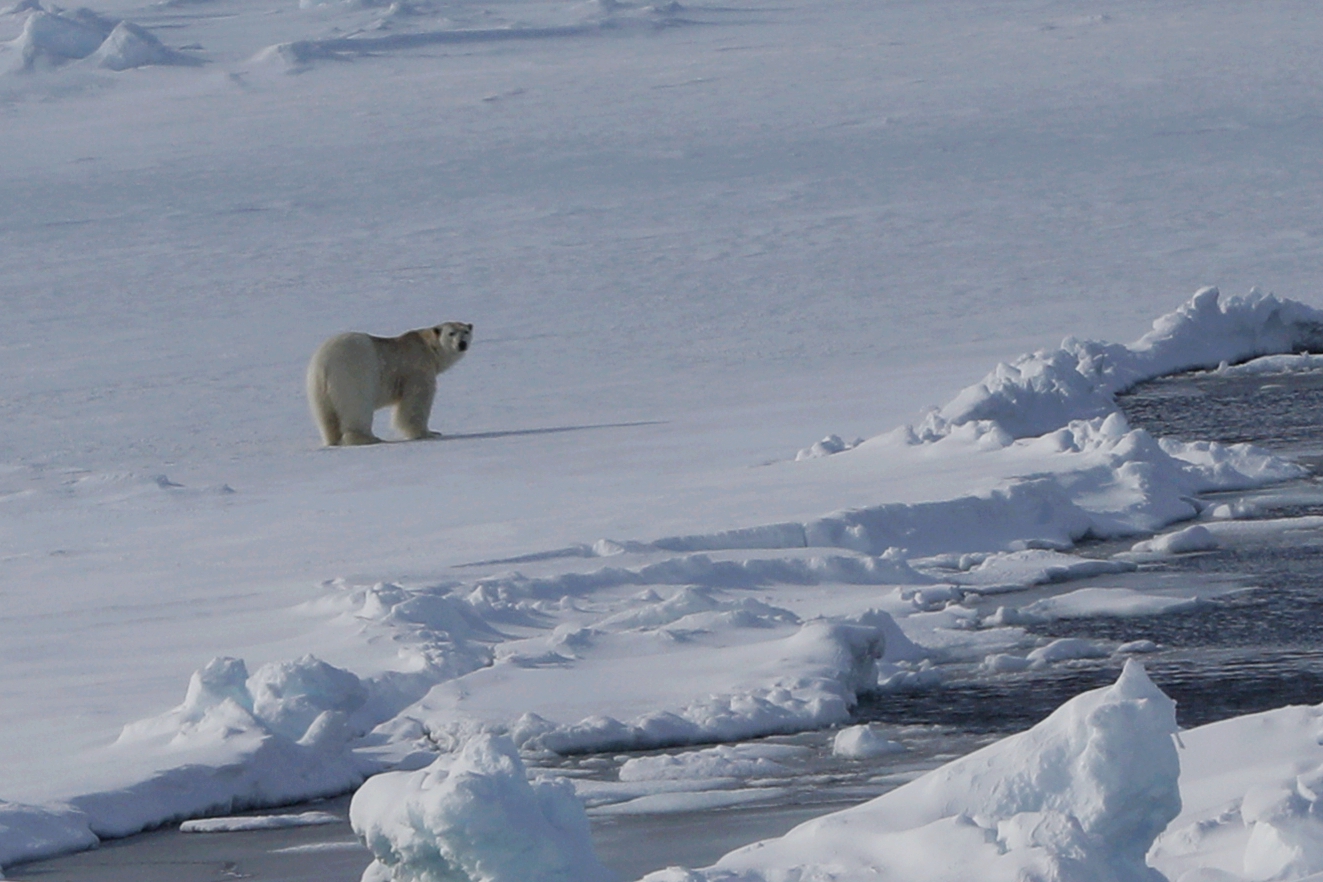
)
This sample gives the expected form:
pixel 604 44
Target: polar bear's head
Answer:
pixel 451 337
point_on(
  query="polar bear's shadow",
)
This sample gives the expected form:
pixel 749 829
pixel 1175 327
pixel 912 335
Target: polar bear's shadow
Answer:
pixel 550 430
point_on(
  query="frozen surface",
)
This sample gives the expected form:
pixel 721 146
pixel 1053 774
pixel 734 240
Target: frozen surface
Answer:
pixel 258 822
pixel 692 239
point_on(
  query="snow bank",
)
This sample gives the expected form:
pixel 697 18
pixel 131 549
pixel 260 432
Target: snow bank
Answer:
pixel 1038 393
pixel 474 818
pixel 1081 796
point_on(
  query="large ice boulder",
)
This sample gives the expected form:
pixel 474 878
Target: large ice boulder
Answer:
pixel 1078 798
pixel 474 818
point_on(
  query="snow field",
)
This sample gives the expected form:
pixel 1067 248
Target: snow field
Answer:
pixel 837 215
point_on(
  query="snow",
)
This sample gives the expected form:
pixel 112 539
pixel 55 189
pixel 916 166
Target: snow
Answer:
pixel 475 818
pixel 862 742
pixel 1082 795
pixel 692 239
pixel 1248 808
pixel 1087 602
pixel 1190 539
pixel 258 822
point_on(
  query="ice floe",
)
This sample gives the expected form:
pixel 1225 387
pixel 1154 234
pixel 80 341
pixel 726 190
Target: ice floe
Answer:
pixel 1080 796
pixel 244 823
pixel 475 818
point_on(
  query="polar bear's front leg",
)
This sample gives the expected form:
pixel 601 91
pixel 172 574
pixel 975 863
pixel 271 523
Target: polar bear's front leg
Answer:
pixel 414 408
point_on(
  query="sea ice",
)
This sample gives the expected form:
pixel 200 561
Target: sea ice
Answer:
pixel 258 822
pixel 1081 796
pixel 863 742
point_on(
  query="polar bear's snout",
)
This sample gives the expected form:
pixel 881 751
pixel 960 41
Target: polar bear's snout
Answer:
pixel 463 345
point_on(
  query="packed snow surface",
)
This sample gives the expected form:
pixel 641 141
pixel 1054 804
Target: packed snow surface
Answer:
pixel 692 239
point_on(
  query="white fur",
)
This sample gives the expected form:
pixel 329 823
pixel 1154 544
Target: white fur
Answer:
pixel 352 375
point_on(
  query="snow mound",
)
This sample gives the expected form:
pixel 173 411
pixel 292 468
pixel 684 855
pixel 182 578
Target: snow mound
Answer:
pixel 54 38
pixel 51 38
pixel 475 818
pixel 129 46
pixel 1080 797
pixel 862 742
pixel 258 822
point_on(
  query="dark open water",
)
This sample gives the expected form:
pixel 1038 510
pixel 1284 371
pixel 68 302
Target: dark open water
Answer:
pixel 1251 650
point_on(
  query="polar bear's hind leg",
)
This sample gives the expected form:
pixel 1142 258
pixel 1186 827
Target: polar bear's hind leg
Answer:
pixel 326 418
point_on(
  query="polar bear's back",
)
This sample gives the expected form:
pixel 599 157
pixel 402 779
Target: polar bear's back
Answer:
pixel 347 368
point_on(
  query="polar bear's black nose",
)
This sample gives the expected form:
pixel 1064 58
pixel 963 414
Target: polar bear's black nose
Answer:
pixel 463 345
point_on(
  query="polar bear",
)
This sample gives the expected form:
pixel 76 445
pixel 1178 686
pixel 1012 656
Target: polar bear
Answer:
pixel 352 375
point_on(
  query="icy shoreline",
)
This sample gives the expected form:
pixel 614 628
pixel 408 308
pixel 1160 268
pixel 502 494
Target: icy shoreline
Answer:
pixel 779 626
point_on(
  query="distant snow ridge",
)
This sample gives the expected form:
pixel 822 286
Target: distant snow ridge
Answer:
pixel 1046 390
pixel 475 818
pixel 54 38
pixel 1078 798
